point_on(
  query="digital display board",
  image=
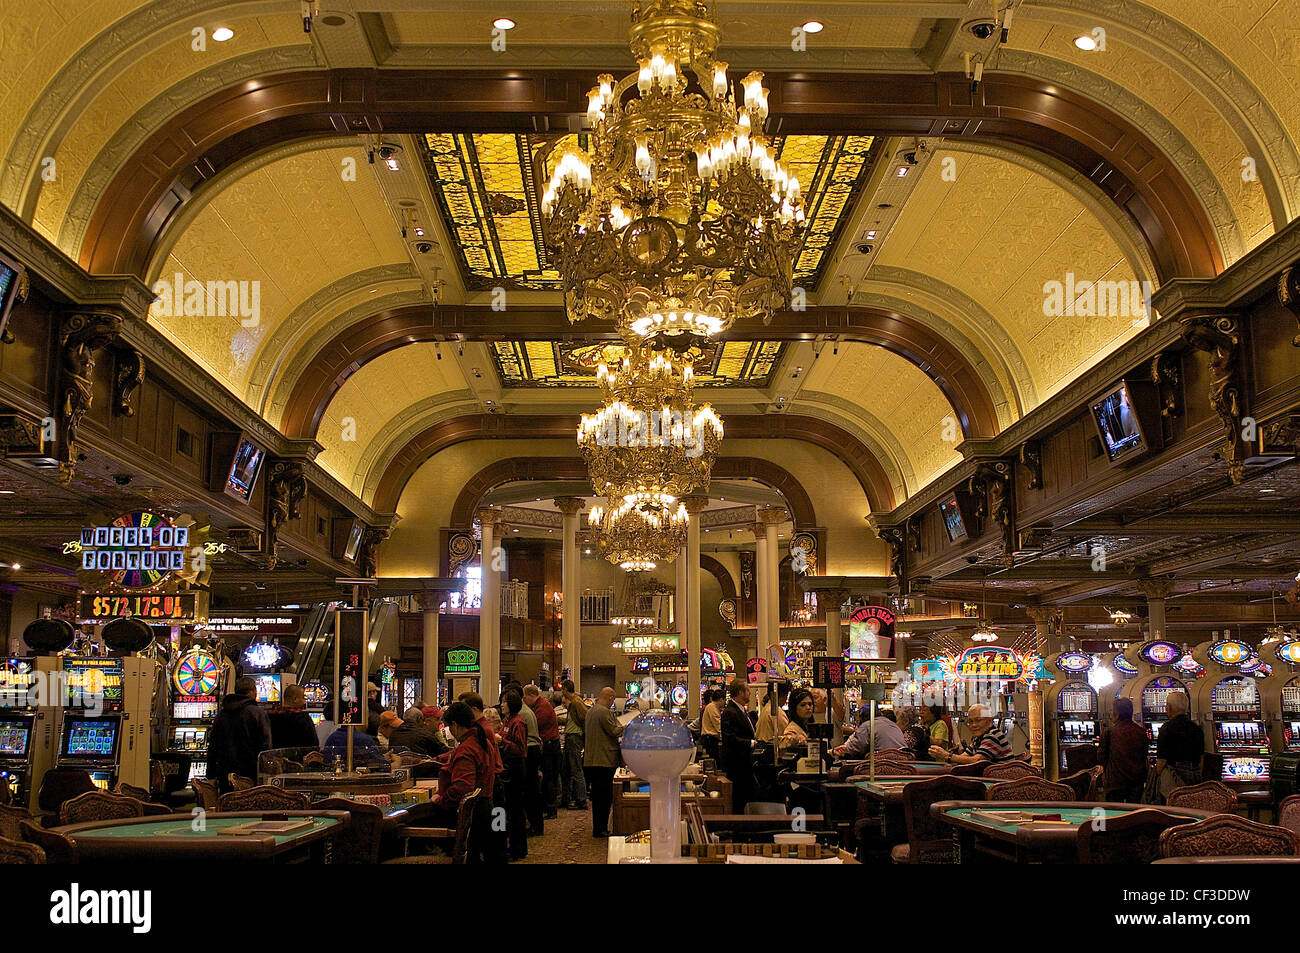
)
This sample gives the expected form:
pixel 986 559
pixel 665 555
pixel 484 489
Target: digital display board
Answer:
pixel 652 644
pixel 136 551
pixel 87 679
pixel 88 738
pixel 175 607
pixel 351 665
pixel 828 671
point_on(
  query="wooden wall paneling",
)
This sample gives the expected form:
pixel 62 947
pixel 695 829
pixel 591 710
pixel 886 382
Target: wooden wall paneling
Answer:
pixel 1273 361
pixel 25 364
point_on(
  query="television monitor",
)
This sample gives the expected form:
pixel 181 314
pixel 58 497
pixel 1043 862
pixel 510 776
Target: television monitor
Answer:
pixel 354 542
pixel 952 519
pixel 1119 415
pixel 11 277
pixel 90 738
pixel 268 689
pixel 15 737
pixel 244 469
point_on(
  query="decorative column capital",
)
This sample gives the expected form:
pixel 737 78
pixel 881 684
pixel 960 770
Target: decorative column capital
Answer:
pixel 569 505
pixel 771 515
pixel 489 517
pixel 832 600
pixel 430 600
pixel 760 532
pixel 695 504
pixel 1156 588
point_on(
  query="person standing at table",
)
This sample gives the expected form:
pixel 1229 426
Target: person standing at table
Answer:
pixel 575 781
pixel 548 729
pixel 1123 756
pixel 600 758
pixel 736 746
pixel 770 727
pixel 1180 747
pixel 513 741
pixel 240 733
pixel 291 726
pixel 711 722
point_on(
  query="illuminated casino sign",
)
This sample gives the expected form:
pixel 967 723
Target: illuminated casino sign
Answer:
pixel 756 671
pixel 1289 652
pixel 993 662
pixel 1161 653
pixel 17 676
pixel 871 633
pixel 462 660
pixel 1245 769
pixel 163 607
pixel 926 670
pixel 1187 665
pixel 651 644
pixel 197 673
pixel 1230 652
pixel 1074 661
pixel 136 551
pixel 1124 666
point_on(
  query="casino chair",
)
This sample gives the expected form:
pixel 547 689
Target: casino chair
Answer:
pixel 883 769
pixel 99 806
pixel 929 840
pixel 1029 789
pixel 975 770
pixel 59 785
pixel 1132 838
pixel 59 849
pixel 1010 770
pixel 240 783
pixel 1207 796
pixel 1288 813
pixel 1080 758
pixel 469 840
pixel 359 843
pixel 20 852
pixel 206 793
pixel 10 819
pixel 1227 835
pixel 1084 783
pixel 265 797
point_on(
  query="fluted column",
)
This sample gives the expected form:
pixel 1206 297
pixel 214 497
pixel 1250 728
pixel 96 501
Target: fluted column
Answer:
pixel 571 624
pixel 680 594
pixel 430 601
pixel 694 506
pixel 489 613
pixel 771 517
pixel 1156 591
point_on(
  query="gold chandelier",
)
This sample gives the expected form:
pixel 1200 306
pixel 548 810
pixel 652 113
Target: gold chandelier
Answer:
pixel 638 534
pixel 676 220
pixel 649 443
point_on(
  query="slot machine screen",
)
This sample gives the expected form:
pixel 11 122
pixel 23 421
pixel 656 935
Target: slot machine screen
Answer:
pixel 198 769
pixel 14 737
pixel 268 688
pixel 89 738
pixel 1244 769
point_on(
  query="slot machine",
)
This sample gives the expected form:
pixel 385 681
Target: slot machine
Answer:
pixel 1154 662
pixel 1280 694
pixel 104 725
pixel 17 726
pixel 1071 705
pixel 195 683
pixel 1230 708
pixel 1120 671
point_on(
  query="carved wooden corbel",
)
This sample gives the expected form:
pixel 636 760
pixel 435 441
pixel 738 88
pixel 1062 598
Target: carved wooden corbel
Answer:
pixel 128 375
pixel 914 535
pixel 892 536
pixel 368 552
pixel 284 495
pixel 1288 293
pixel 1219 335
pixel 80 336
pixel 1167 375
pixel 992 487
pixel 1031 458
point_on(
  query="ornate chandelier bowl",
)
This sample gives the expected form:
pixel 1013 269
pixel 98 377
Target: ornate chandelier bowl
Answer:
pixel 638 536
pixel 677 220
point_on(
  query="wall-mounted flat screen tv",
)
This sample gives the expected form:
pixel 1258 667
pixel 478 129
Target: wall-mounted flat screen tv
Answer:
pixel 11 274
pixel 1123 419
pixel 952 521
pixel 354 542
pixel 245 467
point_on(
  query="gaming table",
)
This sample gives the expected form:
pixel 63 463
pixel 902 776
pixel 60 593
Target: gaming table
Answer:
pixel 1041 841
pixel 174 838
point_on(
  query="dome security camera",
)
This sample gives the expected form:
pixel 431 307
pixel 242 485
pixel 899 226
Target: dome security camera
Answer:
pixel 424 247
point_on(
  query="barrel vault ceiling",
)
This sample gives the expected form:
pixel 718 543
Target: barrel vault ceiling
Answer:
pixel 963 234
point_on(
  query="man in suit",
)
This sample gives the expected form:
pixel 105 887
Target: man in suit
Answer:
pixel 736 746
pixel 601 756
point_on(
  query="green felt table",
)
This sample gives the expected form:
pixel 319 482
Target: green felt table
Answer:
pixel 176 838
pixel 1031 840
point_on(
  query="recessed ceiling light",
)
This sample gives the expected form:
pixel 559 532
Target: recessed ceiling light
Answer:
pixel 222 33
pixel 813 26
pixel 503 23
pixel 1086 42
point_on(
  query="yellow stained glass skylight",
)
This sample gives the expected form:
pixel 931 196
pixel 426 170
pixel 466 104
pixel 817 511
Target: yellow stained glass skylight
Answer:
pixel 570 364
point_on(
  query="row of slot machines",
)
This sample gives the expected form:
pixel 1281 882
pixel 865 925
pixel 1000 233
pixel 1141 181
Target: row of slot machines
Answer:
pixel 74 711
pixel 1247 702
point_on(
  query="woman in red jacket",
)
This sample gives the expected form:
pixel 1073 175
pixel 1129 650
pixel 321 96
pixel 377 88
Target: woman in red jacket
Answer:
pixel 470 765
pixel 513 741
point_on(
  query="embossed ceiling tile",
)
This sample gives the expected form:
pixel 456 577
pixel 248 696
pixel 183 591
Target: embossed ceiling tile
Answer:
pixel 160 66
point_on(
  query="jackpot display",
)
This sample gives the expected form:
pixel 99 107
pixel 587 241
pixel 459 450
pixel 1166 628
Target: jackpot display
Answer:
pixel 136 551
pixel 173 607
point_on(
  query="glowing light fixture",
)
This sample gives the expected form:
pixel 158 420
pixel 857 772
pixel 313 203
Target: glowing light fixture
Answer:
pixel 222 33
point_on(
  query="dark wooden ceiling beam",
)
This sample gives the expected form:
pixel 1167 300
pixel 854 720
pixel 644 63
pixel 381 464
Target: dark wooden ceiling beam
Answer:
pixel 355 346
pixel 235 123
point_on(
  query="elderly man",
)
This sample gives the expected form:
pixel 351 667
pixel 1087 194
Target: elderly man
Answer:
pixel 990 743
pixel 600 758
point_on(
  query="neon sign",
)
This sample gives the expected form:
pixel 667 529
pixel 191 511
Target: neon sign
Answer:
pixel 994 662
pixel 1289 652
pixel 1161 653
pixel 1124 666
pixel 462 661
pixel 1230 652
pixel 1074 661
pixel 652 644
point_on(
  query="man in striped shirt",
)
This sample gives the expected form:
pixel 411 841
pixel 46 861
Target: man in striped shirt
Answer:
pixel 990 745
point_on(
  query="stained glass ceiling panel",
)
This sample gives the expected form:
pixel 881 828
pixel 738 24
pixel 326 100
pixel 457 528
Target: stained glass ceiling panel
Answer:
pixel 569 364
pixel 486 188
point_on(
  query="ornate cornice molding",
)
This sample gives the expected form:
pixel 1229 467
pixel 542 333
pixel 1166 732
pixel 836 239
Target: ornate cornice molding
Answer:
pixel 1249 278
